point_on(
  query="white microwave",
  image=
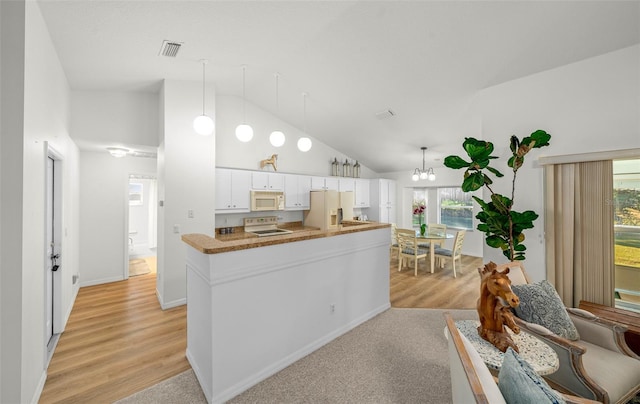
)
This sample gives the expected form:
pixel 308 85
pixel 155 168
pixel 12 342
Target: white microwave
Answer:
pixel 267 200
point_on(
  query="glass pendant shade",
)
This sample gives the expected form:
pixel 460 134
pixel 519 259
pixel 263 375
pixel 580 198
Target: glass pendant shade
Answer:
pixel 203 125
pixel 423 175
pixel 244 132
pixel 304 144
pixel 432 175
pixel 276 138
pixel 415 176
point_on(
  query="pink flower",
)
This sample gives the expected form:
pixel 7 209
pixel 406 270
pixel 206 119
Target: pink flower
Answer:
pixel 418 210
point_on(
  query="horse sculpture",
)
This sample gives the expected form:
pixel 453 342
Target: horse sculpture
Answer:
pixel 271 160
pixel 494 315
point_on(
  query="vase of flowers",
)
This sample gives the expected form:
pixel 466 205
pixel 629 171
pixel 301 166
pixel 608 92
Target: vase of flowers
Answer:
pixel 419 209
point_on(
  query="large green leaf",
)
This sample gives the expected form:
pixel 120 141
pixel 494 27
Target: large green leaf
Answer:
pixel 455 162
pixel 495 172
pixel 477 149
pixel 473 182
pixel 526 217
pixel 480 202
pixel 514 143
pixel 541 138
pixel 501 203
pixel 515 162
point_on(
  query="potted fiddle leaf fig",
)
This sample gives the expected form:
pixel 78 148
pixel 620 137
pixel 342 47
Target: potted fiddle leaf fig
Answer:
pixel 503 226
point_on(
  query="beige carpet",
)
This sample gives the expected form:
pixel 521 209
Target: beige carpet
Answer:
pixel 138 266
pixel 399 356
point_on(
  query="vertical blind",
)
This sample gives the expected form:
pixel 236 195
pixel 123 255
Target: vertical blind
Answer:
pixel 580 235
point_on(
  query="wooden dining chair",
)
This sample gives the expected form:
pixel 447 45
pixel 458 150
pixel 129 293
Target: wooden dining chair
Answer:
pixel 408 249
pixel 394 240
pixel 455 253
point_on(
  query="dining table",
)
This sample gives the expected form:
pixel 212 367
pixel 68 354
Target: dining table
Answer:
pixel 433 238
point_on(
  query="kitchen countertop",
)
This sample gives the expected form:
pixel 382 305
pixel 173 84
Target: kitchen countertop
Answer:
pixel 239 240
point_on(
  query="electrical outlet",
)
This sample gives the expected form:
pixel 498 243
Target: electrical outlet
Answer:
pixel 176 228
pixel 190 213
pixel 332 308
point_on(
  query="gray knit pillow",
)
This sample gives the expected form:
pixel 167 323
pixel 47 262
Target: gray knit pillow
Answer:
pixel 540 304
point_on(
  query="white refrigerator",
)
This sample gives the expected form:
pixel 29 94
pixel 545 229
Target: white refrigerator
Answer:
pixel 328 208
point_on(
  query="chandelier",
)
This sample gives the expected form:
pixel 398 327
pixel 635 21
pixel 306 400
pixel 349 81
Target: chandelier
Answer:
pixel 424 173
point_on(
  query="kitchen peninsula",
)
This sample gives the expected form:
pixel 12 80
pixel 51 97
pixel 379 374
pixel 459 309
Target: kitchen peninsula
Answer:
pixel 257 304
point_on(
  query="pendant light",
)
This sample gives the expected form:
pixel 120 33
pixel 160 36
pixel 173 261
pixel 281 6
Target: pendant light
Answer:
pixel 203 124
pixel 244 132
pixel 277 137
pixel 304 143
pixel 423 174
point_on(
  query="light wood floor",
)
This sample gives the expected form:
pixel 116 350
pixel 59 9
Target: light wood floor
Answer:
pixel 438 290
pixel 118 341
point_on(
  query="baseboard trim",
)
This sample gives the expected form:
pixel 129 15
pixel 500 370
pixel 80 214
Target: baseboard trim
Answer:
pixel 169 305
pixel 101 281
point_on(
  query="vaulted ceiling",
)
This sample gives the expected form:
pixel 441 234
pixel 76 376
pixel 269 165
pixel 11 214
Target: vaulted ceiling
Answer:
pixel 424 60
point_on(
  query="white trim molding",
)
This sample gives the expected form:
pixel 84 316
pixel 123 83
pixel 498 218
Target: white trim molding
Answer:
pixel 595 156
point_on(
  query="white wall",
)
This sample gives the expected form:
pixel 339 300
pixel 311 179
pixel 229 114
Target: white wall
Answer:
pixel 12 23
pixel 589 106
pixel 115 117
pixel 232 153
pixel 104 185
pixel 186 181
pixel 45 113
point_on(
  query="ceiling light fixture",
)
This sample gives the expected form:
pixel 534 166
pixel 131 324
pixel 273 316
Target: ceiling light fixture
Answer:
pixel 117 151
pixel 304 143
pixel 423 174
pixel 244 132
pixel 203 124
pixel 277 137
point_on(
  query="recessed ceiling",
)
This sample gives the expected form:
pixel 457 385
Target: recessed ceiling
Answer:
pixel 424 59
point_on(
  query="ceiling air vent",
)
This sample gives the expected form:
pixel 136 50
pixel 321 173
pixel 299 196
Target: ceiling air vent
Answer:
pixel 170 48
pixel 387 113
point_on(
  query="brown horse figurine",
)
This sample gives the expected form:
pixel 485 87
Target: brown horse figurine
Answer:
pixel 273 160
pixel 494 315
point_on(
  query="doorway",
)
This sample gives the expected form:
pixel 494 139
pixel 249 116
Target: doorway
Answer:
pixel 53 250
pixel 142 225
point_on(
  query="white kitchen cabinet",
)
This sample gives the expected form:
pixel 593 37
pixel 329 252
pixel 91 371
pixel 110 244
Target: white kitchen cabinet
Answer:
pixel 319 183
pixel 267 181
pixel 232 190
pixel 362 199
pixel 332 183
pixel 346 184
pixel 383 200
pixel 296 192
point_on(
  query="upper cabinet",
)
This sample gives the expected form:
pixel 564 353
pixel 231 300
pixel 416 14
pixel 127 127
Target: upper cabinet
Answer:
pixel 319 183
pixel 232 190
pixel 267 181
pixel 346 184
pixel 362 199
pixel 383 200
pixel 296 190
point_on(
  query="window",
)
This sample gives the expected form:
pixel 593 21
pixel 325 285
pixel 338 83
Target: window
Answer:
pixel 626 200
pixel 135 194
pixel 456 208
